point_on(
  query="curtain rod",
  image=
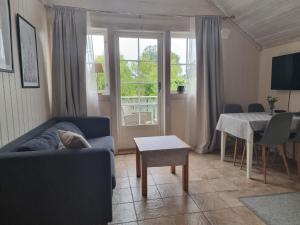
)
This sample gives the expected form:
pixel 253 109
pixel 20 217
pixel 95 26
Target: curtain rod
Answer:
pixel 137 14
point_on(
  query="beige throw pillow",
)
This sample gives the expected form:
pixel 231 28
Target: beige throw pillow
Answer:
pixel 72 140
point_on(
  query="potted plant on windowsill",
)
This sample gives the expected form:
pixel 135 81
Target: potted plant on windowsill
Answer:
pixel 180 86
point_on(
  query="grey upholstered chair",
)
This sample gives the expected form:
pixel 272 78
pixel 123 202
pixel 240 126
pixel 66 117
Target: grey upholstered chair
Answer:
pixel 276 135
pixel 295 138
pixel 234 108
pixel 256 107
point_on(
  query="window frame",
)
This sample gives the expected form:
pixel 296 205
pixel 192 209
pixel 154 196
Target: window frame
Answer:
pixel 187 36
pixel 103 32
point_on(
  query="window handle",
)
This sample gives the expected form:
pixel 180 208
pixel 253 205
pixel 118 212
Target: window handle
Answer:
pixel 159 86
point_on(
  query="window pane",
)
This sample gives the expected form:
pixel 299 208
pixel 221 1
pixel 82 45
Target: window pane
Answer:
pixel 178 51
pixel 148 49
pixel 128 48
pixel 95 53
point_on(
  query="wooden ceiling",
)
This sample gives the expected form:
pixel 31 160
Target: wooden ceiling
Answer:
pixel 268 22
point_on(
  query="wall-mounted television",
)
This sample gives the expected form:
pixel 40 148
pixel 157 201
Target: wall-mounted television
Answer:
pixel 286 72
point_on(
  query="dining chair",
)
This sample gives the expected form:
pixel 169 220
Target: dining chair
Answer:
pixel 275 136
pixel 295 138
pixel 256 107
pixel 234 108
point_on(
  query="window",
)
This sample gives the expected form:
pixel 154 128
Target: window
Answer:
pixel 138 80
pixel 96 59
pixel 180 59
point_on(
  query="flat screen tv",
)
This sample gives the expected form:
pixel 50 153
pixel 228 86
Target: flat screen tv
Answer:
pixel 286 72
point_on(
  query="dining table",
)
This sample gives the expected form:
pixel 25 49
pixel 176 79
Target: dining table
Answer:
pixel 243 126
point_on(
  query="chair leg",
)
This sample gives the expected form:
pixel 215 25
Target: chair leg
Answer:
pixel 264 163
pixel 283 155
pixel 243 156
pixel 235 151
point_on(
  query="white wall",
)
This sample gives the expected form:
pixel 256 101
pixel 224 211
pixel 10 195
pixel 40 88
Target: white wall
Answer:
pixel 265 77
pixel 23 109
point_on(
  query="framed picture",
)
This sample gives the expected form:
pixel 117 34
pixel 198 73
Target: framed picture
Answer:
pixel 6 52
pixel 28 53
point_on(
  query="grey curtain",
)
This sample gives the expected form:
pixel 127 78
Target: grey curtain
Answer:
pixel 209 78
pixel 68 62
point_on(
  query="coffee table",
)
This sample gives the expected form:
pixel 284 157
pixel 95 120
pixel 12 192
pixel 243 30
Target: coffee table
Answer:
pixel 161 151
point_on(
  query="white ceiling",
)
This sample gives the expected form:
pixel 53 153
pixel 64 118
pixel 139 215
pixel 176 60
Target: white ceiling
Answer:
pixel 268 22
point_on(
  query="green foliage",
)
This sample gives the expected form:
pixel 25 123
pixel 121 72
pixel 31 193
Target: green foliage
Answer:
pixel 141 78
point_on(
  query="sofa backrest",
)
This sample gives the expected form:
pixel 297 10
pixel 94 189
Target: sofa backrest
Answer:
pixel 14 145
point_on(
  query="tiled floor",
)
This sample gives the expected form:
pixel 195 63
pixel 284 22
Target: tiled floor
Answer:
pixel 213 198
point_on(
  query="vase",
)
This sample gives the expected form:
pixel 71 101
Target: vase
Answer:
pixel 272 107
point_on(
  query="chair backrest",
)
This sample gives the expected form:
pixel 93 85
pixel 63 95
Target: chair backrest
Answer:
pixel 232 108
pixel 256 107
pixel 278 130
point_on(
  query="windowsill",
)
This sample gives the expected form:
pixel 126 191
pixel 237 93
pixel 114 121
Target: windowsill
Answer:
pixel 104 96
pixel 175 95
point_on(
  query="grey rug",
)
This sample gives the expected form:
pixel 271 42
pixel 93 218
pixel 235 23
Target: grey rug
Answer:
pixel 276 209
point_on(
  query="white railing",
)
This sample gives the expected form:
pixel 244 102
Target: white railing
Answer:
pixel 139 110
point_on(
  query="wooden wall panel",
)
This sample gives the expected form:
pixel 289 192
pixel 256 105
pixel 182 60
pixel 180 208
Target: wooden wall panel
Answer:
pixel 23 109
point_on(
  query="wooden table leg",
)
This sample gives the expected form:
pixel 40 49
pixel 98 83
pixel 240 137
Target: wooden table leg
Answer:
pixel 144 179
pixel 138 162
pixel 298 157
pixel 185 175
pixel 173 169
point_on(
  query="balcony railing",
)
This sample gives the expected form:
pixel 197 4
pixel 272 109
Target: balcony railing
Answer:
pixel 139 110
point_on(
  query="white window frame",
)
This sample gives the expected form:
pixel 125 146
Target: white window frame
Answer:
pixel 177 34
pixel 103 32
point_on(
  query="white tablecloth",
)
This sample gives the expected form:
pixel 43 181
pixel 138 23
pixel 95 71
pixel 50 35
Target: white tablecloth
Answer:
pixel 243 125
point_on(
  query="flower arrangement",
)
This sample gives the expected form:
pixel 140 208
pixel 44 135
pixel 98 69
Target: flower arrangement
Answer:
pixel 272 100
pixel 180 85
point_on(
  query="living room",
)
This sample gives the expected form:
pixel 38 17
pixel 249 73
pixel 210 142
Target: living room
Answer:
pixel 103 102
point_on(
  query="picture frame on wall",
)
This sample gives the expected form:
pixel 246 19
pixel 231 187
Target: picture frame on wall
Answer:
pixel 6 50
pixel 28 53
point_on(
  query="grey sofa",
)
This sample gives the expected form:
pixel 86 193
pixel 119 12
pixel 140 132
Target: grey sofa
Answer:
pixel 40 185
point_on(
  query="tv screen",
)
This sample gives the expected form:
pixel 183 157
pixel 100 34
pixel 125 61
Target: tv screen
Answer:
pixel 286 72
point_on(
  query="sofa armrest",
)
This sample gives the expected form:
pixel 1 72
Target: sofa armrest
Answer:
pixel 92 127
pixel 61 187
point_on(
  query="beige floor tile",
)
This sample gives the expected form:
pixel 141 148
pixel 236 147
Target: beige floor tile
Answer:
pixel 232 198
pixel 207 174
pixel 223 217
pixel 152 193
pixel 170 190
pixel 137 182
pixel 191 219
pixel 166 179
pixel 123 213
pixel 248 217
pixel 130 223
pixel 122 196
pixel 179 205
pixel 223 185
pixel 200 187
pixel 158 221
pixel 121 172
pixel 122 182
pixel 209 201
pixel 149 209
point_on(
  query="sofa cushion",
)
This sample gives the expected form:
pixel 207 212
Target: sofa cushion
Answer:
pixel 48 140
pixel 106 142
pixel 67 126
pixel 72 140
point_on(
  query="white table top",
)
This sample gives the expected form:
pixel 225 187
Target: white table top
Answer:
pixel 243 125
pixel 156 143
